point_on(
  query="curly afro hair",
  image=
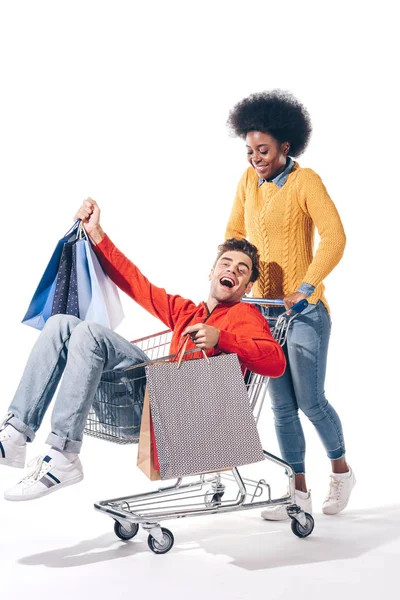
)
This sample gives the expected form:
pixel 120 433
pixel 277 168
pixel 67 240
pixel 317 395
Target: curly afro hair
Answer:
pixel 276 112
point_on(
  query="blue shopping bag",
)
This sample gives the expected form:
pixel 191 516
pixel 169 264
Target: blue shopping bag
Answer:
pixel 83 277
pixel 65 301
pixel 40 307
pixel 98 296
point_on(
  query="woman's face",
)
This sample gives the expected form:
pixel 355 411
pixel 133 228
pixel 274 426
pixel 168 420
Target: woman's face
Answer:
pixel 266 154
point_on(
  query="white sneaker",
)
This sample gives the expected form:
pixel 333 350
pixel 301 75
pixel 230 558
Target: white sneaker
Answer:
pixel 12 454
pixel 45 477
pixel 279 512
pixel 338 494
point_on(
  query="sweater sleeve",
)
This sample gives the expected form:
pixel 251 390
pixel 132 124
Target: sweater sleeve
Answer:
pixel 130 280
pixel 236 226
pixel 252 341
pixel 316 202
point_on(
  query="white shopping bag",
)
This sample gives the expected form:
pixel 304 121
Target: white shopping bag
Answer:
pixel 202 416
pixel 98 296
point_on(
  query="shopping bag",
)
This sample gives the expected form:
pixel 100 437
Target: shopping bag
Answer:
pixel 65 299
pixel 40 306
pixel 98 296
pixel 202 416
pixel 83 277
pixel 147 460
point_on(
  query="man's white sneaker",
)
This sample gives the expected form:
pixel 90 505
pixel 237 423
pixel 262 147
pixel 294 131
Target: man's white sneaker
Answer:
pixel 45 477
pixel 339 492
pixel 12 454
pixel 279 513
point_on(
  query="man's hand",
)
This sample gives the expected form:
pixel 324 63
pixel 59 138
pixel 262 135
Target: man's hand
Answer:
pixel 204 336
pixel 293 299
pixel 89 213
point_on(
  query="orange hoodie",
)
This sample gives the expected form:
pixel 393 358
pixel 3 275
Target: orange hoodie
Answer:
pixel 244 330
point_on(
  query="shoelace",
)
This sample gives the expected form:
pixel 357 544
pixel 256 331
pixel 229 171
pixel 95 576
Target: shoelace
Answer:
pixel 335 487
pixel 39 468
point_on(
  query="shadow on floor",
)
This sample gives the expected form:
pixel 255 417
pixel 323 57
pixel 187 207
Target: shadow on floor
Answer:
pixel 249 542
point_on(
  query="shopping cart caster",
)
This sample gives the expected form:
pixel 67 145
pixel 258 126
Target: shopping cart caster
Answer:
pixel 127 532
pixel 165 545
pixel 213 499
pixel 303 531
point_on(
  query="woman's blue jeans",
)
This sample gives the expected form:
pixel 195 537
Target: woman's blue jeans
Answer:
pixel 302 387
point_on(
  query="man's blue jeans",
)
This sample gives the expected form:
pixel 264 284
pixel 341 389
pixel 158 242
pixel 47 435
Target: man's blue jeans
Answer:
pixel 80 350
pixel 302 387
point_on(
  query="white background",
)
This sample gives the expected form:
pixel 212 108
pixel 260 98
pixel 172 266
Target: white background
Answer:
pixel 127 102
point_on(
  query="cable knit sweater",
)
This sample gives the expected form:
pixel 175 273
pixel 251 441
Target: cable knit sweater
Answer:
pixel 281 223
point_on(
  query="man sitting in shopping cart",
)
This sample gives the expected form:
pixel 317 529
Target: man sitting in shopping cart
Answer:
pixel 84 350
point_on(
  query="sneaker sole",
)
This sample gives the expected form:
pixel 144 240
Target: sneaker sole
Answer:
pixel 21 498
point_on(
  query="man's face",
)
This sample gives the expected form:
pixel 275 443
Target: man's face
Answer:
pixel 230 277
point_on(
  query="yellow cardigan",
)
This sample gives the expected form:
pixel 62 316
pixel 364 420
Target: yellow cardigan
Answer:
pixel 281 223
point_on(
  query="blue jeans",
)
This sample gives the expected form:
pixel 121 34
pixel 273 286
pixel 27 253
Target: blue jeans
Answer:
pixel 302 387
pixel 81 350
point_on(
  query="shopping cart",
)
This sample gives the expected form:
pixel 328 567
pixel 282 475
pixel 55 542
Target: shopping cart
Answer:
pixel 205 494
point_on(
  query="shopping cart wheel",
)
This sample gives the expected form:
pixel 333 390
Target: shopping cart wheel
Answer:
pixel 125 534
pixel 158 548
pixel 301 531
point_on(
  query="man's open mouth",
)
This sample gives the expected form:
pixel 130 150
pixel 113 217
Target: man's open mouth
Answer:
pixel 227 282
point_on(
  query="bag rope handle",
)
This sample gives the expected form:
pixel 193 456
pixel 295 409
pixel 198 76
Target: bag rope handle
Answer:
pixel 82 235
pixel 182 349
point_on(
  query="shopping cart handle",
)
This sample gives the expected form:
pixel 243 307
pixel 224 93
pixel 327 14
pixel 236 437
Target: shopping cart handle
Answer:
pixel 296 308
pixel 263 301
pixel 299 306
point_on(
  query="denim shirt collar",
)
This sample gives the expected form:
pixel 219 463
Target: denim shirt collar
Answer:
pixel 280 179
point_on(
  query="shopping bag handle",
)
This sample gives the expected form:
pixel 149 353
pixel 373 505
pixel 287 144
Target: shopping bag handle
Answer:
pixel 182 349
pixel 81 231
pixel 71 229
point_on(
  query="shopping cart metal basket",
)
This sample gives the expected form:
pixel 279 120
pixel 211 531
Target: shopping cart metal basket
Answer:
pixel 192 496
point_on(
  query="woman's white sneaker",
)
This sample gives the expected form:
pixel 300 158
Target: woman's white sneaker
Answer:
pixel 279 513
pixel 12 453
pixel 45 477
pixel 340 488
